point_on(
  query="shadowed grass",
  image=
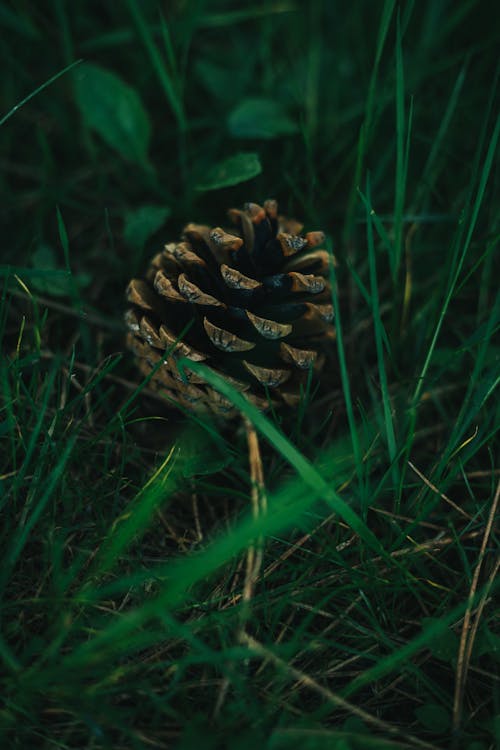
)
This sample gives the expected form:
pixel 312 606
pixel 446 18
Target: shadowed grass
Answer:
pixel 125 617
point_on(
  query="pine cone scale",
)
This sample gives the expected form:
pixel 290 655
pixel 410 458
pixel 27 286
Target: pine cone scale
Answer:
pixel 257 303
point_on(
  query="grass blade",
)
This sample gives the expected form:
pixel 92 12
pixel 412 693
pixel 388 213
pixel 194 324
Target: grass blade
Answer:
pixel 38 90
pixel 345 376
pixel 397 659
pixel 460 254
pixel 159 67
pixel 303 467
pixel 21 536
pixel 378 328
pixel 400 177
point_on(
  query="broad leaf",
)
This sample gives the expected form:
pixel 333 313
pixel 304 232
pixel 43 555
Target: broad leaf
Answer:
pixel 114 110
pixel 231 171
pixel 142 222
pixel 260 118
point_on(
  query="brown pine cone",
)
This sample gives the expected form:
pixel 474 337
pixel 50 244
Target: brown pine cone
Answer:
pixel 258 302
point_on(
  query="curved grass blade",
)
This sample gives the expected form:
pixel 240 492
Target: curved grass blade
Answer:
pixel 37 91
pixel 303 467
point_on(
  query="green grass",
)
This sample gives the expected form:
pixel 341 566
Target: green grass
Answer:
pixel 125 525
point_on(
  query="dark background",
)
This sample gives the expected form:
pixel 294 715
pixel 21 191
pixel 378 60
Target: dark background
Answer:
pixel 167 112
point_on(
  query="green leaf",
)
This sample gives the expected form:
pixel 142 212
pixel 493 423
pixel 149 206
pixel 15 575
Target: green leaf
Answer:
pixel 260 118
pixel 233 170
pixel 141 223
pixel 433 717
pixel 114 110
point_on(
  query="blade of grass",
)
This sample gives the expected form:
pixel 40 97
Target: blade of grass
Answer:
pixel 22 533
pixel 398 658
pixel 37 91
pixel 159 67
pixel 328 696
pixel 400 177
pixel 75 295
pixel 378 328
pixel 64 31
pixel 133 522
pixel 182 575
pixel 7 409
pixel 166 80
pixel 303 467
pixel 460 255
pixel 43 405
pixel 364 133
pixel 345 377
pixel 476 386
pixel 430 172
pixel 8 657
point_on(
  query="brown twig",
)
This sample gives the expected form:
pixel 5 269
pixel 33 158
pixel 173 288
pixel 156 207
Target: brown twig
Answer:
pixel 259 506
pixel 438 492
pixel 82 314
pixel 255 550
pixel 329 696
pixel 468 634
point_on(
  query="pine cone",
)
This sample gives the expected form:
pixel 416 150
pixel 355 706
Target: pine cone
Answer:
pixel 257 301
